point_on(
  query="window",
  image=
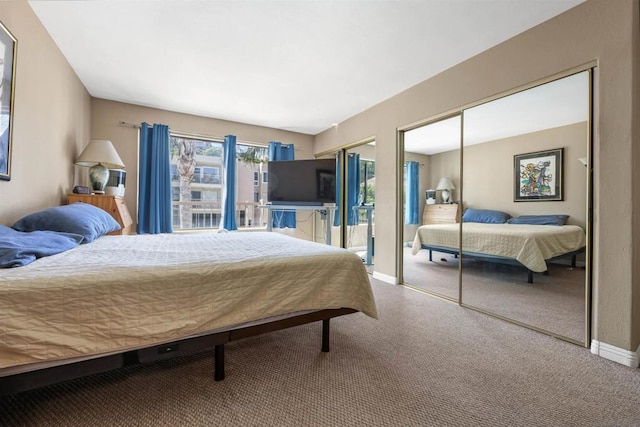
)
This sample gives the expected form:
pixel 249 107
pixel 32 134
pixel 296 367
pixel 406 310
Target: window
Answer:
pixel 367 181
pixel 211 175
pixel 195 182
pixel 367 185
pixel 251 191
pixel 197 169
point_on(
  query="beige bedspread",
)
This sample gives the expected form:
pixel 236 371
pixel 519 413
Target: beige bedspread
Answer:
pixel 531 245
pixel 124 292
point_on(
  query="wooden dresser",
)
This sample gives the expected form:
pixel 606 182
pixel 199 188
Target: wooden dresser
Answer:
pixel 115 205
pixel 441 214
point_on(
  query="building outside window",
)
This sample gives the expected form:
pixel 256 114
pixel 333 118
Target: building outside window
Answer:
pixel 196 183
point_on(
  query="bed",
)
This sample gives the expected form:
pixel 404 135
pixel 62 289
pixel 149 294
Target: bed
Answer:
pixel 528 245
pixel 130 299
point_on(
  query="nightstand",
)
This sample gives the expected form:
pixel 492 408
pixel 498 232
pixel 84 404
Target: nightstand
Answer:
pixel 441 214
pixel 115 205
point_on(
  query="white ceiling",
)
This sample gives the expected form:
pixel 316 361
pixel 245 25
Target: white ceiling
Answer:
pixel 299 65
pixel 558 103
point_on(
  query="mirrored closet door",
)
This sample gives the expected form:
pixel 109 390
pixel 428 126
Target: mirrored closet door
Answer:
pixel 525 195
pixel 504 219
pixel 358 181
pixel 360 197
pixel 431 173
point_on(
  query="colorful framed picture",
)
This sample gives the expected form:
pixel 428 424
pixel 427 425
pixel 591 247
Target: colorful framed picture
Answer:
pixel 8 47
pixel 538 176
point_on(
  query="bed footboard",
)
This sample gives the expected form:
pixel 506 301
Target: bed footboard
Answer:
pixel 42 377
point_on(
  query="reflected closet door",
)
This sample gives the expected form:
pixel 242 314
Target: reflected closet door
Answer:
pixel 360 197
pixel 431 180
pixel 524 159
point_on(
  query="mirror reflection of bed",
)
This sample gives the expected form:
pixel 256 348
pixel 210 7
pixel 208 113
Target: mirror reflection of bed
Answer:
pixel 433 148
pixel 553 116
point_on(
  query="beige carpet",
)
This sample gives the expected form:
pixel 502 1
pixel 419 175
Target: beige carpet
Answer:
pixel 425 362
pixel 554 302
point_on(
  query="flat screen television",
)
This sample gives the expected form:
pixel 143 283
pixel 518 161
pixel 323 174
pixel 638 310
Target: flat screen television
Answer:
pixel 302 182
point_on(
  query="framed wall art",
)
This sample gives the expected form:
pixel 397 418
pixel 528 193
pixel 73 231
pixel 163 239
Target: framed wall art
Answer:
pixel 8 49
pixel 538 176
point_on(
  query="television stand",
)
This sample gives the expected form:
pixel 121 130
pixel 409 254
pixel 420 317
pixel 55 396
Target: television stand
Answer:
pixel 326 212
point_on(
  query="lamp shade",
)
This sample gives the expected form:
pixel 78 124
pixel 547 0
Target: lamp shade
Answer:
pixel 100 151
pixel 101 156
pixel 445 184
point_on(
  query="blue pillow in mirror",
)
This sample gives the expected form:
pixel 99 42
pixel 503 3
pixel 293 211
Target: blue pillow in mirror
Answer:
pixel 540 219
pixel 486 216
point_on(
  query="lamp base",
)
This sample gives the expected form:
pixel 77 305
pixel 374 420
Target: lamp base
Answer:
pixel 98 175
pixel 446 195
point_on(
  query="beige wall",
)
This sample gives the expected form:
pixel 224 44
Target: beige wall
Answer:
pixel 446 164
pixel 492 162
pixel 51 119
pixel 595 32
pixel 635 156
pixel 107 115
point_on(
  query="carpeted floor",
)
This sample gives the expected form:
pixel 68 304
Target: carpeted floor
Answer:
pixel 424 362
pixel 553 302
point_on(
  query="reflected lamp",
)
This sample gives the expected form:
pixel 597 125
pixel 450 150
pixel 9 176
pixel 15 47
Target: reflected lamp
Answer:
pixel 445 186
pixel 100 156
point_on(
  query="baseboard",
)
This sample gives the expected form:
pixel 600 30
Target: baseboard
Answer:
pixel 619 355
pixel 385 278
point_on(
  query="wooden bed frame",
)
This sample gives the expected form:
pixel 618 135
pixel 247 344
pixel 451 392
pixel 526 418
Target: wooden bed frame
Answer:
pixel 42 377
pixel 500 259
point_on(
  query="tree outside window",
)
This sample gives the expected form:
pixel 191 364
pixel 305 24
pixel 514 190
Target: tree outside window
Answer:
pixel 196 171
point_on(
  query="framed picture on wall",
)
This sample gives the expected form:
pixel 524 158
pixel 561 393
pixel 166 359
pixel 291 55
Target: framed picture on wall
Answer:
pixel 7 77
pixel 538 176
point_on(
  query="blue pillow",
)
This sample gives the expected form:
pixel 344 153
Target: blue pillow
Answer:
pixel 486 216
pixel 80 218
pixel 540 219
pixel 18 248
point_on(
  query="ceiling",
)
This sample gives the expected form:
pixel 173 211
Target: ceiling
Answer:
pixel 558 103
pixel 298 65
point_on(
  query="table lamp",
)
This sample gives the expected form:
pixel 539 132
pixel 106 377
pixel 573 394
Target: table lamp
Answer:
pixel 100 156
pixel 445 185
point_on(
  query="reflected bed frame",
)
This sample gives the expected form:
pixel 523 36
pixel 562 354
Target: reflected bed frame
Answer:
pixel 501 259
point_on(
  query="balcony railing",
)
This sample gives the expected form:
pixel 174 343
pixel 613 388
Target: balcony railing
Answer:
pixel 207 179
pixel 208 214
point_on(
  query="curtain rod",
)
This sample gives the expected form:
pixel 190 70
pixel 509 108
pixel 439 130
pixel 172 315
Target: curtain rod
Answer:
pixel 198 136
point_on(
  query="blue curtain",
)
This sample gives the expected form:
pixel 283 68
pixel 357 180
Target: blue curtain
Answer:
pixel 278 151
pixel 412 200
pixel 229 186
pixel 154 176
pixel 352 187
pixel 336 218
